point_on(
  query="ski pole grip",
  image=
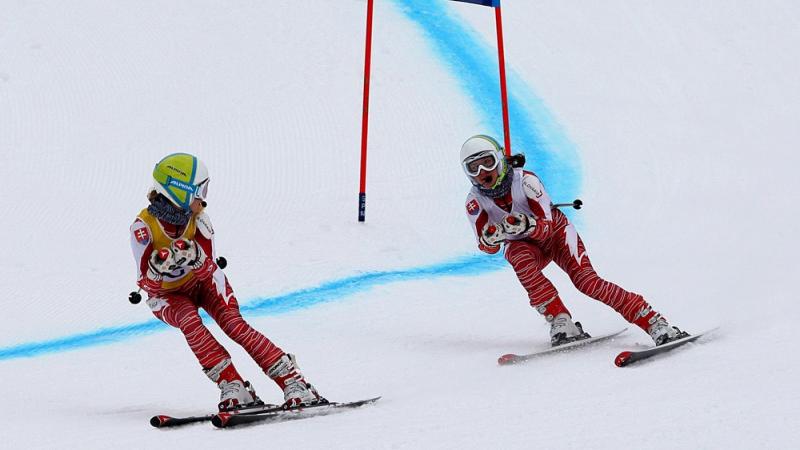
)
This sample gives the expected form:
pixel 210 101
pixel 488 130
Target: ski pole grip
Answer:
pixel 135 297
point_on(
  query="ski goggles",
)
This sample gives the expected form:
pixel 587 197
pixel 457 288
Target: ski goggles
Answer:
pixel 486 161
pixel 190 192
pixel 201 190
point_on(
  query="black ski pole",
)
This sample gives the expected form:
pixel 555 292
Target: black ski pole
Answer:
pixel 577 204
pixel 135 297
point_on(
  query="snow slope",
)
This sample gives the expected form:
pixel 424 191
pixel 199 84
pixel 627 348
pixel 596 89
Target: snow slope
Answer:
pixel 673 121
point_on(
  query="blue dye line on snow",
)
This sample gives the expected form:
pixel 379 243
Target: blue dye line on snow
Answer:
pixel 291 301
pixel 474 65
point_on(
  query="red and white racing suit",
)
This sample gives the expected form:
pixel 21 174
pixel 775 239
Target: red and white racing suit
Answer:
pixel 555 239
pixel 176 298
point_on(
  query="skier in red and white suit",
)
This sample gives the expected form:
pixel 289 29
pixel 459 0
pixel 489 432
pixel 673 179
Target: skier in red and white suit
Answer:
pixel 173 246
pixel 508 205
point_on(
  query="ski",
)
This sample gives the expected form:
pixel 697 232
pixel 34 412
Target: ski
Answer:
pixel 629 357
pixel 165 421
pixel 512 358
pixel 230 419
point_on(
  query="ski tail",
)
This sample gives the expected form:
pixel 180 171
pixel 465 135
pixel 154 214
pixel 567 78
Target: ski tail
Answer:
pixel 225 420
pixel 163 421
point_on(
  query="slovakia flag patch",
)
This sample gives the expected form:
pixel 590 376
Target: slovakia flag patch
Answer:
pixel 473 208
pixel 142 236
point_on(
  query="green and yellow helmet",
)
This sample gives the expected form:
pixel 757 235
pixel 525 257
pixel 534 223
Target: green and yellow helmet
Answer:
pixel 181 177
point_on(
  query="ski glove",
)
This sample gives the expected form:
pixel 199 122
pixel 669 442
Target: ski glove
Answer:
pixel 189 254
pixel 492 235
pixel 161 262
pixel 517 224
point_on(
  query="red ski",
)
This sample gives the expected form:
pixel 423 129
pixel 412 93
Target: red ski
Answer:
pixel 165 421
pixel 225 420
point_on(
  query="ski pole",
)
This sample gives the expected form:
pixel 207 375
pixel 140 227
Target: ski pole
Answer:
pixel 577 204
pixel 135 297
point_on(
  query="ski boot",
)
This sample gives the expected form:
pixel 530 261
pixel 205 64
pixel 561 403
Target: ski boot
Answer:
pixel 235 393
pixel 296 390
pixel 563 331
pixel 661 332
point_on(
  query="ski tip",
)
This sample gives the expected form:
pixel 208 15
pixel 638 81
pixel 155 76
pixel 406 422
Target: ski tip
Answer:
pixel 622 359
pixel 507 359
pixel 159 421
pixel 357 403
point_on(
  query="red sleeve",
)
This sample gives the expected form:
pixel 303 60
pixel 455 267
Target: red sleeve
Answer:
pixel 543 228
pixel 487 249
pixel 142 247
pixel 149 285
pixel 206 243
pixel 480 222
pixel 143 263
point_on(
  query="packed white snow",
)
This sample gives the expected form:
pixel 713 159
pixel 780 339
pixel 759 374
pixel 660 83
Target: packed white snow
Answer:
pixel 680 122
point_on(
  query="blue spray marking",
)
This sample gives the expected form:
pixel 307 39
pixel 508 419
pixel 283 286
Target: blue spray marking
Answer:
pixel 269 306
pixel 474 66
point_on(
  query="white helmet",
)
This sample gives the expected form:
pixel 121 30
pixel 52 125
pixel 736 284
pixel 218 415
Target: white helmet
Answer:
pixel 482 152
pixel 181 177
